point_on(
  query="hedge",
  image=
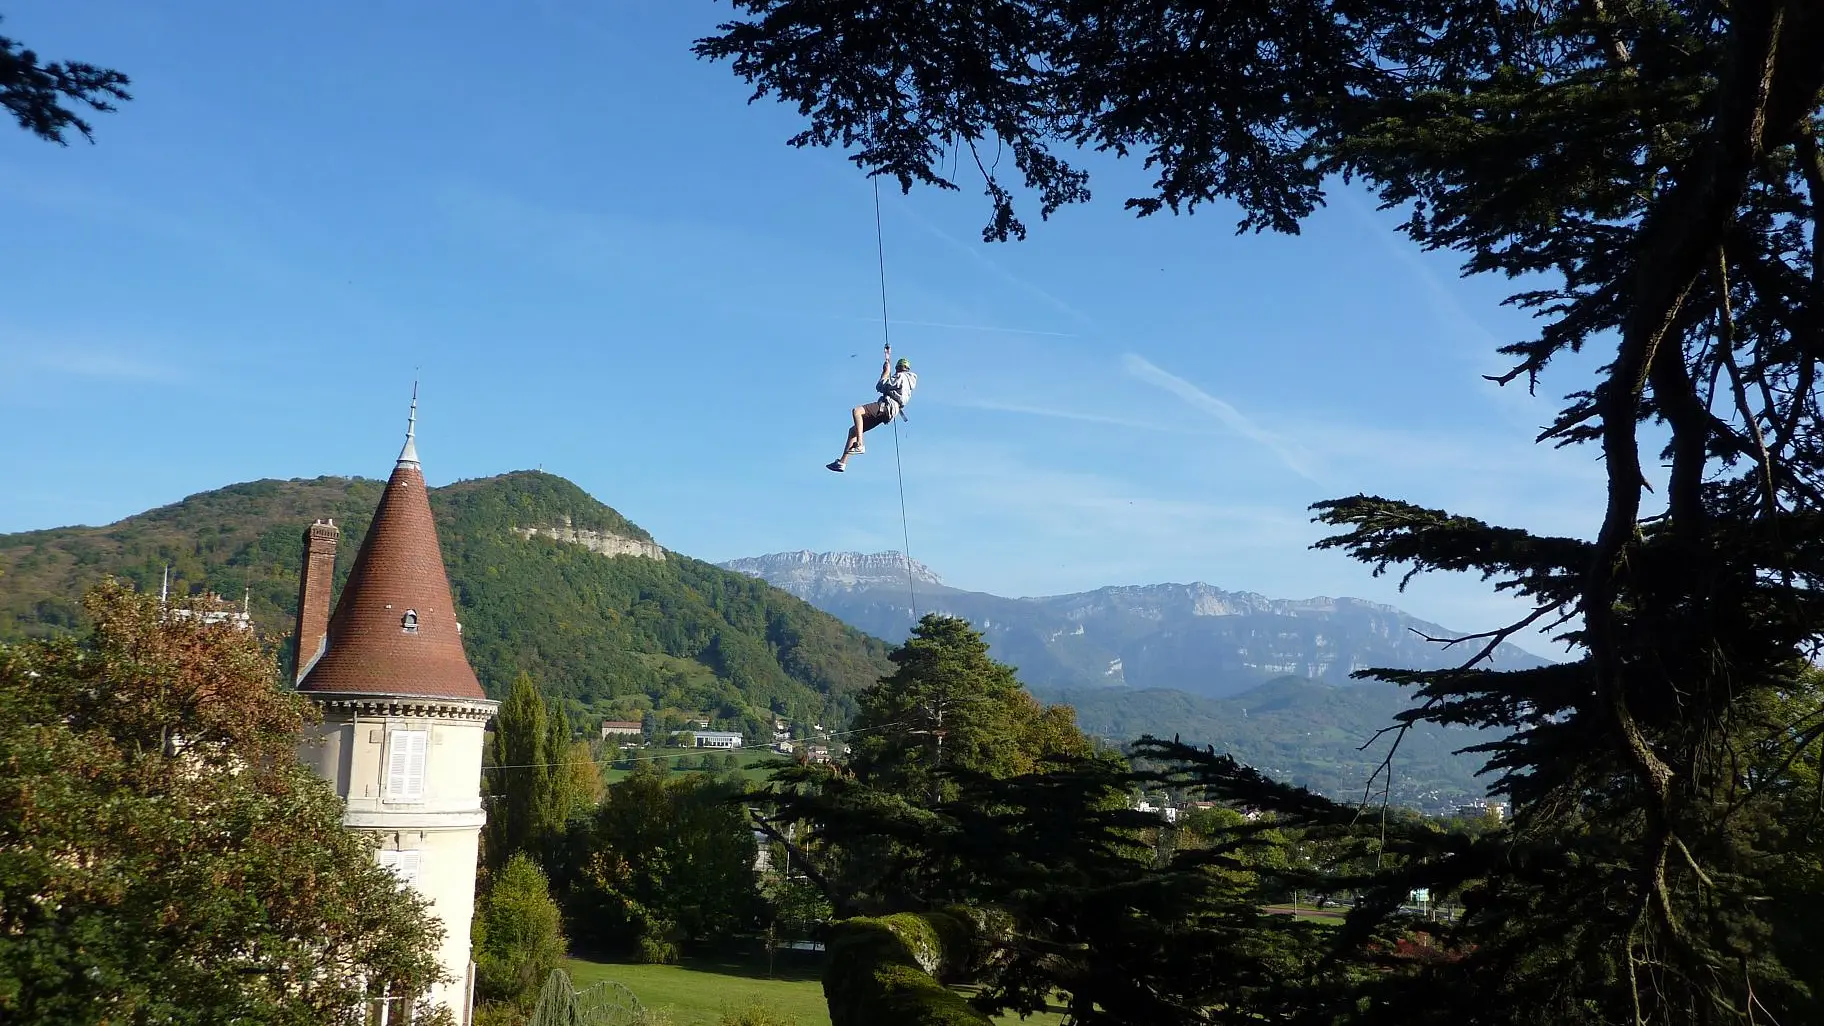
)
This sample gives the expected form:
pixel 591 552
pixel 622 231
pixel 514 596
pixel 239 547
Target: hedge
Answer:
pixel 884 972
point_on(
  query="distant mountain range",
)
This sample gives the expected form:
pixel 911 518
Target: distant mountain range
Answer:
pixel 1187 637
pixel 1266 680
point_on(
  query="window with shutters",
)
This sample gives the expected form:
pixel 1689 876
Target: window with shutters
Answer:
pixel 403 864
pixel 405 756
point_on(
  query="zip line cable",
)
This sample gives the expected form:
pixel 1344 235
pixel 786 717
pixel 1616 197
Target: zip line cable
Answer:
pixel 886 335
pixel 905 528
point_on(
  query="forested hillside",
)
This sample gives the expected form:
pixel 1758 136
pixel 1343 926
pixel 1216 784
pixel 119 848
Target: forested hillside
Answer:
pixel 616 634
pixel 1304 732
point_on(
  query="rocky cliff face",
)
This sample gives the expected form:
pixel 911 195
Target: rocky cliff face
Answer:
pixel 805 573
pixel 595 541
pixel 1189 637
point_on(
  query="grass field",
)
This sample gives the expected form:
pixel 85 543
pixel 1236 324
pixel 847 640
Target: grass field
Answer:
pixel 698 992
pixel 749 759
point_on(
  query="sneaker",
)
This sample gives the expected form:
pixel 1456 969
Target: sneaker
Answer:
pixel 836 466
pixel 857 451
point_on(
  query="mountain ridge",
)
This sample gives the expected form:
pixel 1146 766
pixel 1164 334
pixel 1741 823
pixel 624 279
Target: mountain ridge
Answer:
pixel 1162 659
pixel 621 633
pixel 1193 637
pixel 836 569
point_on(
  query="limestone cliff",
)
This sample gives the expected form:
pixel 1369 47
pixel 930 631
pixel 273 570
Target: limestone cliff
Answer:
pixel 806 574
pixel 595 541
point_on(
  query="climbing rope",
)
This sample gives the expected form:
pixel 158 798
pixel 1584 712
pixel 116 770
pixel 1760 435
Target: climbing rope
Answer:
pixel 886 336
pixel 905 532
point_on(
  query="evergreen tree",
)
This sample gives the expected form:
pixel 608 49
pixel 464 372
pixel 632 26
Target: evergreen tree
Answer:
pixel 947 713
pixel 948 703
pixel 41 96
pixel 517 936
pixel 1654 171
pixel 530 777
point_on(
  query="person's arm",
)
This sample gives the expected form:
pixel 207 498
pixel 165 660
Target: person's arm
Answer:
pixel 886 365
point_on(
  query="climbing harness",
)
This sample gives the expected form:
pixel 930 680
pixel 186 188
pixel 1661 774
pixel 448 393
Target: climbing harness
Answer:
pixel 886 337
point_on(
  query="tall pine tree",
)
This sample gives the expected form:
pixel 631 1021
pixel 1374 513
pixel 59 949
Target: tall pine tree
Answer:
pixel 1653 172
pixel 533 789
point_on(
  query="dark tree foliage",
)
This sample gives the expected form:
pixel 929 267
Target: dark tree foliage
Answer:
pixel 662 867
pixel 1076 898
pixel 1650 174
pixel 947 709
pixel 529 778
pixel 44 98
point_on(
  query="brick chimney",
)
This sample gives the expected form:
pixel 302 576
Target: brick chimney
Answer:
pixel 314 581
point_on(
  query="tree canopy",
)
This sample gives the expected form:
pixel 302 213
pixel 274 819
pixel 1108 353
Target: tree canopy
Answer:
pixel 163 853
pixel 947 720
pixel 1649 174
pixel 663 865
pixel 948 703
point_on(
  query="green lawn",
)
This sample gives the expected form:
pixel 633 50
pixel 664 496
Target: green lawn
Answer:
pixel 698 992
pixel 750 760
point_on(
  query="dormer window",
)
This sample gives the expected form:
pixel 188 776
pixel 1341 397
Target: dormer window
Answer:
pixel 410 621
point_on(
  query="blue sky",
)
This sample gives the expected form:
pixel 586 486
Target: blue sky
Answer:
pixel 599 260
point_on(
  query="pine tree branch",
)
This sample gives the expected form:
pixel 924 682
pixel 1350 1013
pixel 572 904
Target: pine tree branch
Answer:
pixel 1726 347
pixel 1496 638
pixel 805 865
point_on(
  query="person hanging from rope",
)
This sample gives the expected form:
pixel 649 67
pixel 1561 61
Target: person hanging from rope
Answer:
pixel 895 388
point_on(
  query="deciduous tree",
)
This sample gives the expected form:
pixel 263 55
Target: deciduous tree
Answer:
pixel 164 855
pixel 665 864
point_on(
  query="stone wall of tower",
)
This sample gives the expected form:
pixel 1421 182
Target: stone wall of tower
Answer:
pixel 432 833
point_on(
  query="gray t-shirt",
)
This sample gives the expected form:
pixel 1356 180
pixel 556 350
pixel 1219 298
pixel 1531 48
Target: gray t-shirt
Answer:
pixel 897 388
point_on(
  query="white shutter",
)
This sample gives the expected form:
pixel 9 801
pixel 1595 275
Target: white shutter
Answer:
pixel 396 754
pixel 405 759
pixel 410 862
pixel 403 864
pixel 416 751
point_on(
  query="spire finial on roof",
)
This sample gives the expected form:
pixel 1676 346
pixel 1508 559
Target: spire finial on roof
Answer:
pixel 409 454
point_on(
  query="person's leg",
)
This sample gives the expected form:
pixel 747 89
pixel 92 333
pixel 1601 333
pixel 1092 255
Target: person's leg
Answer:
pixel 860 429
pixel 852 443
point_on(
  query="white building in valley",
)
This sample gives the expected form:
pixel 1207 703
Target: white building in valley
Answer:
pixel 403 715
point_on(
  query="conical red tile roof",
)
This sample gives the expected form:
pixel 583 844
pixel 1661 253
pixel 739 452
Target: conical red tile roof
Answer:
pixel 399 570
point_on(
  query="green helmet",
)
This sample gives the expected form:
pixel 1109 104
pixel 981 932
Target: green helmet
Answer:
pixel 903 364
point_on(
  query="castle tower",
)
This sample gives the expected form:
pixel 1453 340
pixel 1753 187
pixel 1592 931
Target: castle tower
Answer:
pixel 403 714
